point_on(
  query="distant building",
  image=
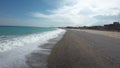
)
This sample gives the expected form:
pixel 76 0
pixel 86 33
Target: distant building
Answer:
pixel 96 27
pixel 114 26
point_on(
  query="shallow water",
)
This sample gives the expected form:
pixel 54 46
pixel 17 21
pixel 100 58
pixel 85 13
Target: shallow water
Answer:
pixel 15 57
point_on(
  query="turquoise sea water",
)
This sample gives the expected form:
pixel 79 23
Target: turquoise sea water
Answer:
pixel 16 36
pixel 17 30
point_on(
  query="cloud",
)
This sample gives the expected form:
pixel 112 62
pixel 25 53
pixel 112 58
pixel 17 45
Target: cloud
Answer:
pixel 108 17
pixel 81 12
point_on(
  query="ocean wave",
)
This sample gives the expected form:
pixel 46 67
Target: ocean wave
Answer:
pixel 8 42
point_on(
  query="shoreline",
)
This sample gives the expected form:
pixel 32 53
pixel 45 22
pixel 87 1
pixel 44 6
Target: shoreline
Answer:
pixel 18 57
pixel 38 58
pixel 79 49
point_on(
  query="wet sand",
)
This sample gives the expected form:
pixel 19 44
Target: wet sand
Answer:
pixel 38 58
pixel 80 49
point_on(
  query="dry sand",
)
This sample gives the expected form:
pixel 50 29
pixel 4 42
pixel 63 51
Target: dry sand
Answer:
pixel 105 33
pixel 78 49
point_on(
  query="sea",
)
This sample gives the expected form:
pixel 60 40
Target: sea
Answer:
pixel 18 41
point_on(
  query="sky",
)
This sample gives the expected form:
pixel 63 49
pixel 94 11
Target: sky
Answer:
pixel 56 13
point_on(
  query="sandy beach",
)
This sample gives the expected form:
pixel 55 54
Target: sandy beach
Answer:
pixel 83 49
pixel 105 33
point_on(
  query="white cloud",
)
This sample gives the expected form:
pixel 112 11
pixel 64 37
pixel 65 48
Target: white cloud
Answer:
pixel 75 11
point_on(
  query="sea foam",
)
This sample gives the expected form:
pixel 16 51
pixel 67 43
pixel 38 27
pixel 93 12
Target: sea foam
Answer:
pixel 10 42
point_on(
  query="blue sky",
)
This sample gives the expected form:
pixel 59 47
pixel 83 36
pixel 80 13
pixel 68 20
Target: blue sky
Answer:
pixel 58 12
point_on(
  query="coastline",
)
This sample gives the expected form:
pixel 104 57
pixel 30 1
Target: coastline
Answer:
pixel 19 56
pixel 38 58
pixel 79 49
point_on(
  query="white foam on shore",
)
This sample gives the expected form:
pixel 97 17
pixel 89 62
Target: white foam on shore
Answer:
pixel 9 43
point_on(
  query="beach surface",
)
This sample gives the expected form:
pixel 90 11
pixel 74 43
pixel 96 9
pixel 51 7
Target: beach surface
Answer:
pixel 86 49
pixel 105 33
